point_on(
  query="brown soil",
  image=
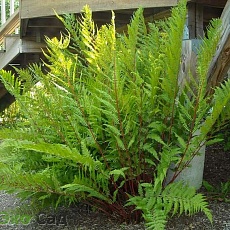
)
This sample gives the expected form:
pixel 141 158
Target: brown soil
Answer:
pixel 217 165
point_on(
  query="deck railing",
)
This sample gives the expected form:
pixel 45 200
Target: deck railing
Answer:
pixel 7 9
pixel 9 19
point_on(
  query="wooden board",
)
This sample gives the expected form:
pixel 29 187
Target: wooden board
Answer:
pixel 15 46
pixel 195 20
pixel 31 46
pixel 32 9
pixel 9 27
pixel 220 64
pixel 12 44
pixel 213 3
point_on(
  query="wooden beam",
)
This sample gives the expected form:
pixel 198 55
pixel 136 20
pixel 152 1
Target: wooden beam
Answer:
pixel 31 46
pixel 199 21
pixel 195 20
pixel 23 27
pixel 45 22
pixel 15 46
pixel 211 12
pixel 188 61
pixel 220 64
pixel 213 3
pixel 12 44
pixel 31 9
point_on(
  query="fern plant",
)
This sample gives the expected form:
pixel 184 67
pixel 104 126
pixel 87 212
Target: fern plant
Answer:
pixel 220 192
pixel 107 119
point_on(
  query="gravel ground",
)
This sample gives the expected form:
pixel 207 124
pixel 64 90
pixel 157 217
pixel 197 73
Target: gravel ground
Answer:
pixel 217 169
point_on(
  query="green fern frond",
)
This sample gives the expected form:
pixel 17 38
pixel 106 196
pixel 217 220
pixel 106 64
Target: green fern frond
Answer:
pixel 62 151
pixel 171 55
pixel 11 82
pixel 79 188
pixel 155 221
pixel 87 31
pixel 220 100
pixel 132 41
pixel 208 48
pixel 183 199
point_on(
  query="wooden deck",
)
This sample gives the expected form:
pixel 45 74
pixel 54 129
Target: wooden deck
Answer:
pixel 220 66
pixel 37 20
pixel 31 9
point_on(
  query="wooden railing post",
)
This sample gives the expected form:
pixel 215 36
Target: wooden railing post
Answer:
pixel 6 11
pixel 3 11
pixel 10 22
pixel 11 7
